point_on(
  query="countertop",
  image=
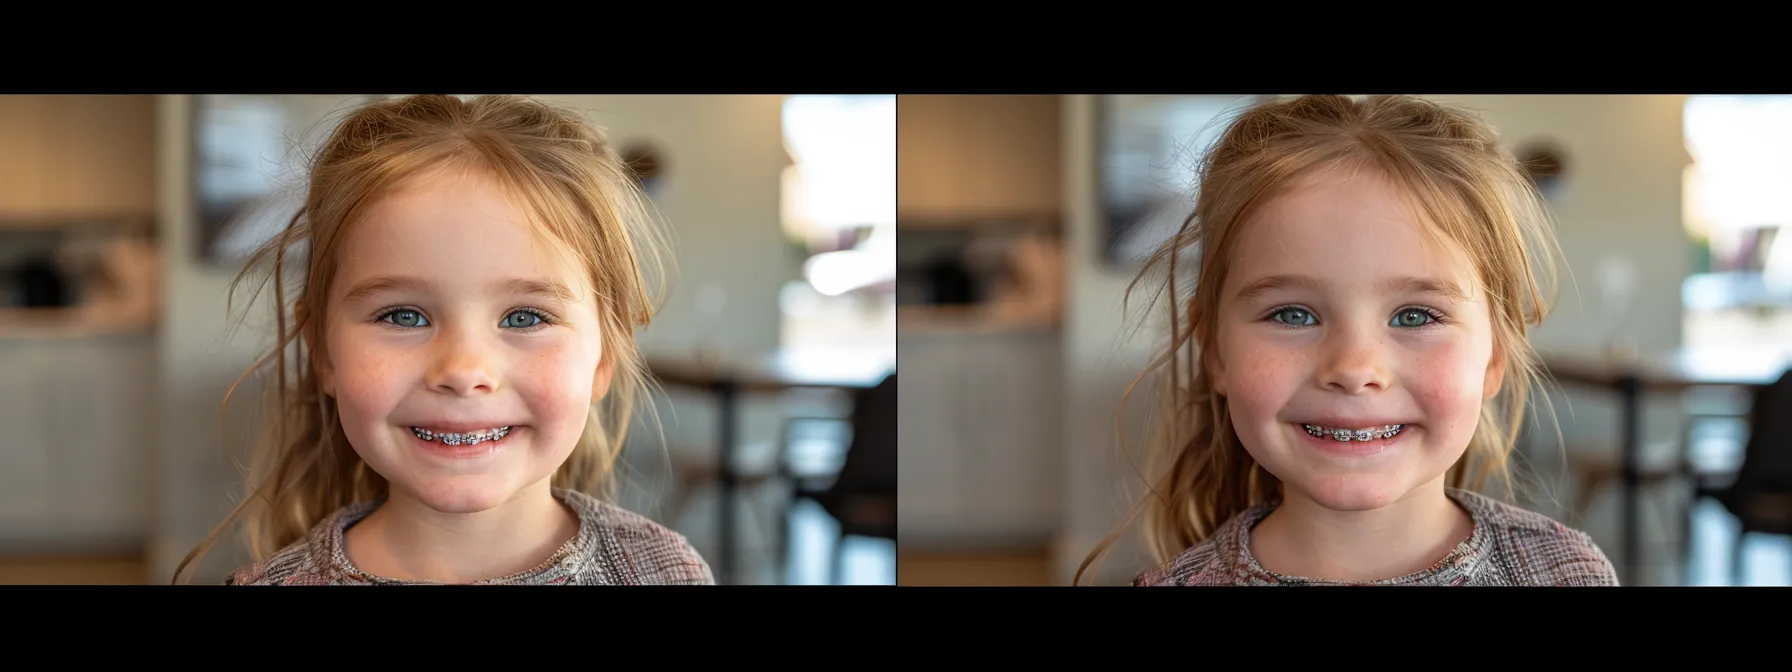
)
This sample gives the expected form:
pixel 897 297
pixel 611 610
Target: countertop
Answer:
pixel 36 324
pixel 930 320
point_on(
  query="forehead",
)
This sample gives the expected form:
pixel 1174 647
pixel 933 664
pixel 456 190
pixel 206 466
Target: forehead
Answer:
pixel 456 226
pixel 1346 225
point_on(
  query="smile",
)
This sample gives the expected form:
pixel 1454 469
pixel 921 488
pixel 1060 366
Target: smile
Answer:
pixel 458 438
pixel 1346 435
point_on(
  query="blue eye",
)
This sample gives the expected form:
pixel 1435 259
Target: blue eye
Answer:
pixel 522 319
pixel 1294 317
pixel 405 318
pixel 1412 317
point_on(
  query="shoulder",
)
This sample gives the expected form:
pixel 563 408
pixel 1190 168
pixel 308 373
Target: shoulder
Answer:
pixel 295 565
pixel 1212 562
pixel 1194 567
pixel 1540 550
pixel 636 550
pixel 308 561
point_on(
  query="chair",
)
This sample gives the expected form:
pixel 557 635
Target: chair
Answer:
pixel 1598 468
pixel 696 468
pixel 1704 408
pixel 862 495
pixel 1760 496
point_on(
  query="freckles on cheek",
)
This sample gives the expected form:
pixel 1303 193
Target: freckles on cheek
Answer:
pixel 370 375
pixel 361 380
pixel 1261 378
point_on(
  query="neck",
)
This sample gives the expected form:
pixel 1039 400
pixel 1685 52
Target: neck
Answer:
pixel 405 539
pixel 1303 538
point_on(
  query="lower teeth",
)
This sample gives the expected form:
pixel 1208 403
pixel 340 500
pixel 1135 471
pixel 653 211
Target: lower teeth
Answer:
pixel 1347 435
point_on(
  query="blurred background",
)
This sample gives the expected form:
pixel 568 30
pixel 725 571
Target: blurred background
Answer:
pixel 123 220
pixel 1024 218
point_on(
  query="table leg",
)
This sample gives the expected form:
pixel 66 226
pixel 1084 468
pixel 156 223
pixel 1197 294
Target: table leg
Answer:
pixel 1630 390
pixel 726 480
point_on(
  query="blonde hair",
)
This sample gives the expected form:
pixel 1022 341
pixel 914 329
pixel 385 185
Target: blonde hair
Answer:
pixel 1460 177
pixel 583 196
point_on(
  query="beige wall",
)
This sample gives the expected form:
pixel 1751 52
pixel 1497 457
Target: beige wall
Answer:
pixel 724 159
pixel 71 157
pixel 965 157
pixel 1626 154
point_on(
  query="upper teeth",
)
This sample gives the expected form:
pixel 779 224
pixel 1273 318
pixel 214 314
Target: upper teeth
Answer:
pixel 1354 434
pixel 469 438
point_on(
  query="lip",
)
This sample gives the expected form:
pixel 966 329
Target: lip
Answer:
pixel 1355 422
pixel 460 427
pixel 1352 448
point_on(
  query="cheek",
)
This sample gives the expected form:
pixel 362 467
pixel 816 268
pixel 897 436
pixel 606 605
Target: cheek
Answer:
pixel 367 382
pixel 1448 383
pixel 556 380
pixel 1260 378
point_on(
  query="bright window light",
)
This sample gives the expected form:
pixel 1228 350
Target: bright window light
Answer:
pixel 845 172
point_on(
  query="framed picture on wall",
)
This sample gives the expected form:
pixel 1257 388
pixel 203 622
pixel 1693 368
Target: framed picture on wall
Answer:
pixel 1148 148
pixel 250 153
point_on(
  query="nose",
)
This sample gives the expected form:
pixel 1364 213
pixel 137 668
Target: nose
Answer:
pixel 1354 361
pixel 463 365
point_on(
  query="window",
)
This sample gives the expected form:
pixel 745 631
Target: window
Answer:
pixel 839 208
pixel 1737 210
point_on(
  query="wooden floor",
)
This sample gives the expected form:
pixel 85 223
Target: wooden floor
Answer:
pixel 979 569
pixel 77 571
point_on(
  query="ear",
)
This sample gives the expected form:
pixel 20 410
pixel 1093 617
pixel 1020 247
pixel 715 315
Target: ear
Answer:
pixel 1496 373
pixel 320 360
pixel 1211 364
pixel 1216 371
pixel 600 382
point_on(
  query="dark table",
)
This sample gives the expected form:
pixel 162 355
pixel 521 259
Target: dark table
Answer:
pixel 1672 371
pixel 727 377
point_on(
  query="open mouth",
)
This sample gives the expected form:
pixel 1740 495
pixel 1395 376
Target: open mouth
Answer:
pixel 471 438
pixel 1355 441
pixel 1346 434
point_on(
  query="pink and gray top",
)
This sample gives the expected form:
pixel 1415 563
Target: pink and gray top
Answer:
pixel 613 547
pixel 1509 547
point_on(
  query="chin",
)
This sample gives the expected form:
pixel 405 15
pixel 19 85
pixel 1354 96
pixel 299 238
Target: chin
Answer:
pixel 1352 492
pixel 462 494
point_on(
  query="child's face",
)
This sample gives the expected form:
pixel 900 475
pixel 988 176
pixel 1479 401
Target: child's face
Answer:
pixel 1350 338
pixel 444 318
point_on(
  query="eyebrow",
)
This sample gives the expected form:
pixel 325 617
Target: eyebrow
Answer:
pixel 1433 286
pixel 1402 284
pixel 407 284
pixel 524 287
pixel 385 285
pixel 1275 283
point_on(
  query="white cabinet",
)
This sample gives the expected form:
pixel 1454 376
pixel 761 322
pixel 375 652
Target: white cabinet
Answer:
pixel 24 442
pixel 927 441
pixel 979 439
pixel 104 466
pixel 76 462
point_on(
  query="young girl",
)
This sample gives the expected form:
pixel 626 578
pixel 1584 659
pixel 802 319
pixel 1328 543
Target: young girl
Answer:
pixel 466 365
pixel 1351 361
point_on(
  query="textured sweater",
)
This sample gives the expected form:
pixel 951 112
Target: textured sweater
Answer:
pixel 612 547
pixel 1508 547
